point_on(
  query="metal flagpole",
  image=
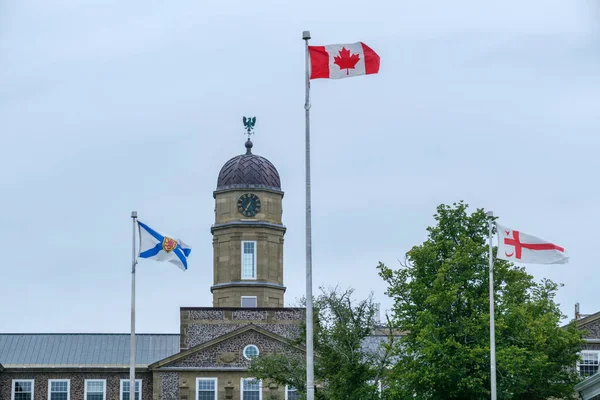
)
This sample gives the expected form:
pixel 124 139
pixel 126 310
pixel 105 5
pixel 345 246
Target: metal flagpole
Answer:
pixel 132 345
pixel 310 379
pixel 490 216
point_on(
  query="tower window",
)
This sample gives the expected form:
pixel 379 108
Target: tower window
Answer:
pixel 249 302
pixel 248 260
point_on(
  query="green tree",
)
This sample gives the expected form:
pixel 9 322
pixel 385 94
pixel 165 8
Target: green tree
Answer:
pixel 441 299
pixel 345 369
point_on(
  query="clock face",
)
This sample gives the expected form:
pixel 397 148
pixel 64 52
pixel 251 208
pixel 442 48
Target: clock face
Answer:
pixel 248 204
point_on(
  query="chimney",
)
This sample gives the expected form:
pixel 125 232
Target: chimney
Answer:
pixel 577 315
pixel 377 316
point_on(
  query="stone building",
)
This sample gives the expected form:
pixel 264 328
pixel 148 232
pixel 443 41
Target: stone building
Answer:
pixel 589 365
pixel 208 359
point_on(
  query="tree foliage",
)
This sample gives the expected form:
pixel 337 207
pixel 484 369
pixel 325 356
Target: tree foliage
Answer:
pixel 344 368
pixel 441 299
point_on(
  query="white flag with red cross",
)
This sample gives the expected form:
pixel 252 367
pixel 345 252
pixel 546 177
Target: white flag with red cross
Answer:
pixel 520 247
pixel 336 61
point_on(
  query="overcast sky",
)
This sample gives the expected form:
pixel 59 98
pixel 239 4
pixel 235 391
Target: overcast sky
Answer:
pixel 110 106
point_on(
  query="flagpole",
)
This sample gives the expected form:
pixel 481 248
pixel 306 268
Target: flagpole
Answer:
pixel 310 379
pixel 490 216
pixel 132 345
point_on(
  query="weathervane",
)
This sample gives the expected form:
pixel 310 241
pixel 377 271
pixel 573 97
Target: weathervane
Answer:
pixel 249 125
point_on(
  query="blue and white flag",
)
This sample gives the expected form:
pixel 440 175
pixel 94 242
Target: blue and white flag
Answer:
pixel 156 246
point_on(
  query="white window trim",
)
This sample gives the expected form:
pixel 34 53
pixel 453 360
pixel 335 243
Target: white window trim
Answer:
pixel 216 380
pixel 85 382
pixel 12 390
pixel 581 356
pixel 121 389
pixel 59 380
pixel 242 387
pixel 286 391
pixel 248 297
pixel 255 260
pixel 244 351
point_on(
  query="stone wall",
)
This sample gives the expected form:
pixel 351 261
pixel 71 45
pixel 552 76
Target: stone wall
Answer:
pixel 228 353
pixel 113 382
pixel 200 325
pixel 168 385
pixel 593 328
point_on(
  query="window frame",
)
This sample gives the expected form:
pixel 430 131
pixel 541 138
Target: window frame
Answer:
pixel 85 389
pixel 250 345
pixel 579 364
pixel 250 379
pixel 248 297
pixel 59 380
pixel 12 390
pixel 287 388
pixel 216 380
pixel 254 277
pixel 121 389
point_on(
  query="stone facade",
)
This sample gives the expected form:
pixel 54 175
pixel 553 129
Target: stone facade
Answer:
pixel 200 325
pixel 77 379
pixel 229 352
pixel 230 229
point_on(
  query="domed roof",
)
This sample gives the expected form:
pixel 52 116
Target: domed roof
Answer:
pixel 248 171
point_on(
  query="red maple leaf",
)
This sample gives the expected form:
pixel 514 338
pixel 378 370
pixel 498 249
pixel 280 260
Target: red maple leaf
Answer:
pixel 345 60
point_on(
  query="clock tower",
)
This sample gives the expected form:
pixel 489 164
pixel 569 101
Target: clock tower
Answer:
pixel 248 233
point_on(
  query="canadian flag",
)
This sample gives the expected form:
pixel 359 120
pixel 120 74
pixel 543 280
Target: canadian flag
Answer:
pixel 520 247
pixel 336 61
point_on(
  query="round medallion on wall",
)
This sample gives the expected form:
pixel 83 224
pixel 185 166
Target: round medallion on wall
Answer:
pixel 248 204
pixel 250 352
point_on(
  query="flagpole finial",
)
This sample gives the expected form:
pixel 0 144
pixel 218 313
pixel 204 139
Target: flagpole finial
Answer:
pixel 306 35
pixel 134 214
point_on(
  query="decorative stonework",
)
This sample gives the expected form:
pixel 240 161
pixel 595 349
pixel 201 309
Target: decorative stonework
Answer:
pixel 210 357
pixel 249 315
pixel 207 314
pixel 591 346
pixel 288 331
pixel 226 357
pixel 169 385
pixel 289 315
pixel 202 333
pixel 593 329
pixel 113 383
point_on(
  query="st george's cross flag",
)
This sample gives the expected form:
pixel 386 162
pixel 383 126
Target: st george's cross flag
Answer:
pixel 336 61
pixel 520 247
pixel 157 246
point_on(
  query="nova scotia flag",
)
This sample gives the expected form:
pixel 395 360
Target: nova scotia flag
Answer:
pixel 159 247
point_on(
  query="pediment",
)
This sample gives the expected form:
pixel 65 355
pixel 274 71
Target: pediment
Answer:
pixel 592 325
pixel 226 351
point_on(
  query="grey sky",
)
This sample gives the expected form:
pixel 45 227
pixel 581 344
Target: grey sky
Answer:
pixel 111 106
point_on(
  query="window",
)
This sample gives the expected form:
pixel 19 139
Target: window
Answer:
pixel 588 364
pixel 248 260
pixel 251 389
pixel 59 389
pixel 291 393
pixel 250 351
pixel 206 388
pixel 125 383
pixel 22 389
pixel 249 302
pixel 95 389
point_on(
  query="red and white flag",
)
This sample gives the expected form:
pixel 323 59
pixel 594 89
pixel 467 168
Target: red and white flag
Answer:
pixel 336 61
pixel 523 248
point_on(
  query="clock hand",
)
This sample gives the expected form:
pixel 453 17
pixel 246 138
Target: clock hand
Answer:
pixel 246 209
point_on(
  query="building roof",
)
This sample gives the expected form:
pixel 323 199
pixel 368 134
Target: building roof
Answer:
pixel 83 350
pixel 248 171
